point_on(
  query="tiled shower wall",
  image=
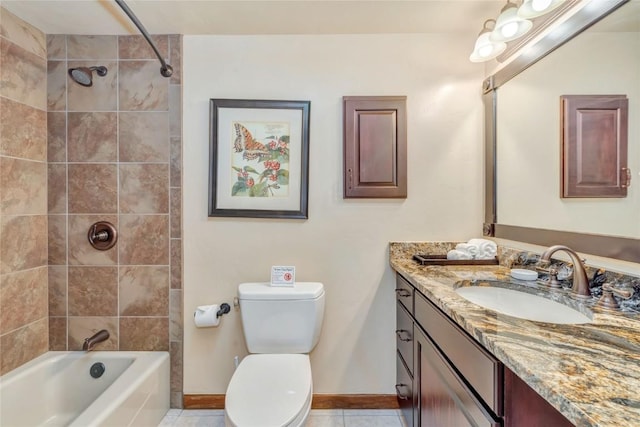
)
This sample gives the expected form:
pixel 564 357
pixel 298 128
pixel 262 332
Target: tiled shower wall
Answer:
pixel 114 152
pixel 23 195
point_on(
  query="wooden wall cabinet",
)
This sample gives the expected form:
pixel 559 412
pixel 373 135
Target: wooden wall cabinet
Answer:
pixel 451 380
pixel 375 146
pixel 594 146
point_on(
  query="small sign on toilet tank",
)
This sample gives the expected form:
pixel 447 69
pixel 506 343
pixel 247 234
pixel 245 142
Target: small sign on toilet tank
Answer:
pixel 283 275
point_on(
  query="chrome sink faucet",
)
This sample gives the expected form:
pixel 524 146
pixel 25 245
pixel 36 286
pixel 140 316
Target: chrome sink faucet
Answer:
pixel 96 338
pixel 580 287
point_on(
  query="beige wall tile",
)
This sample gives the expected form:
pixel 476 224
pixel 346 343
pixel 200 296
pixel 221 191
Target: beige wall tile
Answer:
pixel 142 87
pixel 93 291
pixel 57 137
pixel 143 188
pixel 92 47
pixel 176 213
pixel 56 46
pixel 23 131
pixel 144 291
pixel 92 137
pixel 176 162
pixel 22 33
pixel 102 96
pixel 57 188
pixel 84 327
pixel 80 251
pixel 24 344
pixel 175 48
pixel 29 288
pixel 58 291
pixel 23 76
pixel 144 240
pixel 24 242
pixel 23 186
pixel 143 137
pixel 175 374
pixel 57 239
pixel 175 315
pixel 93 188
pixel 57 333
pixel 175 110
pixel 136 47
pixel 56 85
pixel 176 264
pixel 144 333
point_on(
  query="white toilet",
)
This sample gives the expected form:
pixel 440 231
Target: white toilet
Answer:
pixel 272 386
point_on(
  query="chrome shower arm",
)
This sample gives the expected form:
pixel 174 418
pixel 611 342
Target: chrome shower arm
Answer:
pixel 166 70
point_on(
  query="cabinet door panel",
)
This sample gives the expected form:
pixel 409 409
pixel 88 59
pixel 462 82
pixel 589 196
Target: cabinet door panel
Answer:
pixel 444 399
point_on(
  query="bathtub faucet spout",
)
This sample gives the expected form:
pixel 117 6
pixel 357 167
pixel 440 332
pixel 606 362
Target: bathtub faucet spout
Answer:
pixel 96 338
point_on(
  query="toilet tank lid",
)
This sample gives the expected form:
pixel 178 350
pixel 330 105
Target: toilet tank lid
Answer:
pixel 264 291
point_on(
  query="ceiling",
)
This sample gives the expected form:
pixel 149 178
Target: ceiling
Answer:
pixel 258 16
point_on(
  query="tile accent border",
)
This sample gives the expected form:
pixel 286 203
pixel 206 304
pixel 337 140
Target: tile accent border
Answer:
pixel 320 401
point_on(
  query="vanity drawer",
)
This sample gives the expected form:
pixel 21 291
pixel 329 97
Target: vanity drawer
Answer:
pixel 404 293
pixel 404 335
pixel 481 370
pixel 404 390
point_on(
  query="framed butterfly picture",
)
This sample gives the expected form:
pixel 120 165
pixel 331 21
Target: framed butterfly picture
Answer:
pixel 259 158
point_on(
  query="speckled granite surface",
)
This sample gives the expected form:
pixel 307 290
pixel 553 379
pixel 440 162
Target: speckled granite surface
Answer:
pixel 590 372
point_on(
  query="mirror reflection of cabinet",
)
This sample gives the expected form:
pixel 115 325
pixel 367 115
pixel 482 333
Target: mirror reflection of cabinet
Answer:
pixel 594 145
pixel 524 202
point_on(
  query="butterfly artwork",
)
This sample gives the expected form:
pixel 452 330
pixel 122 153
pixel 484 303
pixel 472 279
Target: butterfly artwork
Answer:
pixel 247 145
pixel 262 170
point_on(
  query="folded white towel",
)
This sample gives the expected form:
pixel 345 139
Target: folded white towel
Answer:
pixel 455 254
pixel 466 247
pixel 487 249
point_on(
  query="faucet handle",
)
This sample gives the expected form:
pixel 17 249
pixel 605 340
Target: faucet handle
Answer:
pixel 608 301
pixel 553 277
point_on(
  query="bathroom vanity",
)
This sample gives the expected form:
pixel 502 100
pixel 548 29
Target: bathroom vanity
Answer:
pixel 459 364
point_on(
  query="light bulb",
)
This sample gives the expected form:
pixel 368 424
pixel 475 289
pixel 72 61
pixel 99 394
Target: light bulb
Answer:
pixel 485 50
pixel 540 5
pixel 509 30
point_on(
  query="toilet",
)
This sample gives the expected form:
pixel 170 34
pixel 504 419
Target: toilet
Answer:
pixel 272 386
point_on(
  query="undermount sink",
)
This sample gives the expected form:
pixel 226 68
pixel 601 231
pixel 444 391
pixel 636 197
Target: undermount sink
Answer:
pixel 522 305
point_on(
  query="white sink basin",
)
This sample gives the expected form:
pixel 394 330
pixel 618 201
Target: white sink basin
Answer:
pixel 522 305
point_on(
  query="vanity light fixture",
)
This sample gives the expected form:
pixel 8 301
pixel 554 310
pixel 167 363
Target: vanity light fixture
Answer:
pixel 486 49
pixel 509 26
pixel 534 8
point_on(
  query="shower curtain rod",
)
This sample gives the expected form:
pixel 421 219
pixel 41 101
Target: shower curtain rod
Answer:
pixel 166 70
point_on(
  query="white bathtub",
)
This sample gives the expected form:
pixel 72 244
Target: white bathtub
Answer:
pixel 56 389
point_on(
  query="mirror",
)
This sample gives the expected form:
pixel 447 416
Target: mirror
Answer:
pixel 523 135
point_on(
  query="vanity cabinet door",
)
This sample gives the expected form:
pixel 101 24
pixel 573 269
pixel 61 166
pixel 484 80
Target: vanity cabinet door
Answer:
pixel 443 397
pixel 523 407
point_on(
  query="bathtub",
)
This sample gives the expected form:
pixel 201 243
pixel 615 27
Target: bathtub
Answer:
pixel 57 389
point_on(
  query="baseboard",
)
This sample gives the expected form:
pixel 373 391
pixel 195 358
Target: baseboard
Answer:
pixel 320 401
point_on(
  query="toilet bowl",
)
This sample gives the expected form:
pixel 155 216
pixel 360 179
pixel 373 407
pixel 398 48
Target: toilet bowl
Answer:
pixel 272 386
pixel 270 390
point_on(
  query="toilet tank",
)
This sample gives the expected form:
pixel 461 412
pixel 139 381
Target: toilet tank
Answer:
pixel 281 319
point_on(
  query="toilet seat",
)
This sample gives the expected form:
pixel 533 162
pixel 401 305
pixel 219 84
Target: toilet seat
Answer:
pixel 270 390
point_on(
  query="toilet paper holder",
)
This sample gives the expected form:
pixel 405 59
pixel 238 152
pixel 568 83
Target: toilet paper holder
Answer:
pixel 224 309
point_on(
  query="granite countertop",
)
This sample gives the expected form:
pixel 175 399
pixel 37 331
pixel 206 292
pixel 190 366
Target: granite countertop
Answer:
pixel 590 372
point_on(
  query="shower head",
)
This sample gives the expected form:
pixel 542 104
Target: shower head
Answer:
pixel 84 75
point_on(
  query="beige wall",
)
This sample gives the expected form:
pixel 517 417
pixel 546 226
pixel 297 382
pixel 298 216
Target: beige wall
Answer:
pixel 344 242
pixel 23 194
pixel 114 155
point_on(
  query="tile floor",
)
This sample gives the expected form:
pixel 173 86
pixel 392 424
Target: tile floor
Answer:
pixel 317 418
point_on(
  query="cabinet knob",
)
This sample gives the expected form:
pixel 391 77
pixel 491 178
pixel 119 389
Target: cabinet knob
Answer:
pixel 403 335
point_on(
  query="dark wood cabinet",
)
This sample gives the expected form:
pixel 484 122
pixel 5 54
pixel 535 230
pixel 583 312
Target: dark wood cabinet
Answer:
pixel 445 378
pixel 375 146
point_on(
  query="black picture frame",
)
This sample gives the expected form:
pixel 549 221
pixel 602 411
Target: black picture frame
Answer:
pixel 265 175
